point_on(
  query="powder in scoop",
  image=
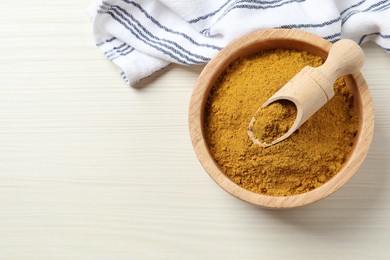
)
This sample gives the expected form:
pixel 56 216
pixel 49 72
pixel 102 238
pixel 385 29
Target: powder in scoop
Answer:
pixel 273 121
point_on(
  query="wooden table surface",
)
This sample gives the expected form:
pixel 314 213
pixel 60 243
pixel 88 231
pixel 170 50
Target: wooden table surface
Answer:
pixel 93 169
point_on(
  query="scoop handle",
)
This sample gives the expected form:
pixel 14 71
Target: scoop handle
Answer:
pixel 345 57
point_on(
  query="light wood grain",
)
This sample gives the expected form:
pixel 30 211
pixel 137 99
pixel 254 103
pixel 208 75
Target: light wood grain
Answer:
pixel 92 169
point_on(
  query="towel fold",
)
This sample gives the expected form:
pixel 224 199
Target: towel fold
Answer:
pixel 143 36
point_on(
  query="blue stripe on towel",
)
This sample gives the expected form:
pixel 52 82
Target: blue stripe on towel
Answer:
pixel 116 48
pixel 352 6
pixel 120 14
pixel 125 13
pixel 103 42
pixel 333 38
pixel 297 26
pixel 119 52
pixel 304 25
pixel 206 31
pixel 382 8
pixel 124 22
pixel 385 36
pixel 204 17
pixel 256 7
pixel 370 8
pixel 122 54
pixel 147 15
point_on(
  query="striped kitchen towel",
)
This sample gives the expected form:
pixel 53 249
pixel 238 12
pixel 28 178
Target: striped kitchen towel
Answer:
pixel 143 36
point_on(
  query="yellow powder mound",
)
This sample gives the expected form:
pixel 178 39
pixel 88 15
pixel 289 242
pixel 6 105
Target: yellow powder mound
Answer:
pixel 304 161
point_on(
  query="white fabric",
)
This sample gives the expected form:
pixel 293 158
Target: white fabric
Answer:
pixel 143 36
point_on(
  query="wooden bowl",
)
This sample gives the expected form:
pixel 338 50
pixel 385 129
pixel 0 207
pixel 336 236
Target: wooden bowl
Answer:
pixel 266 40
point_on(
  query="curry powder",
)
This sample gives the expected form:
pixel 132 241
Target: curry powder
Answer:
pixel 273 121
pixel 304 161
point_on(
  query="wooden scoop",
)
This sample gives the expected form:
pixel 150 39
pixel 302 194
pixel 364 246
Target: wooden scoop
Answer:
pixel 312 87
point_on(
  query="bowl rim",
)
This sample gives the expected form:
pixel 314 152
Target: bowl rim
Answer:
pixel 268 38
